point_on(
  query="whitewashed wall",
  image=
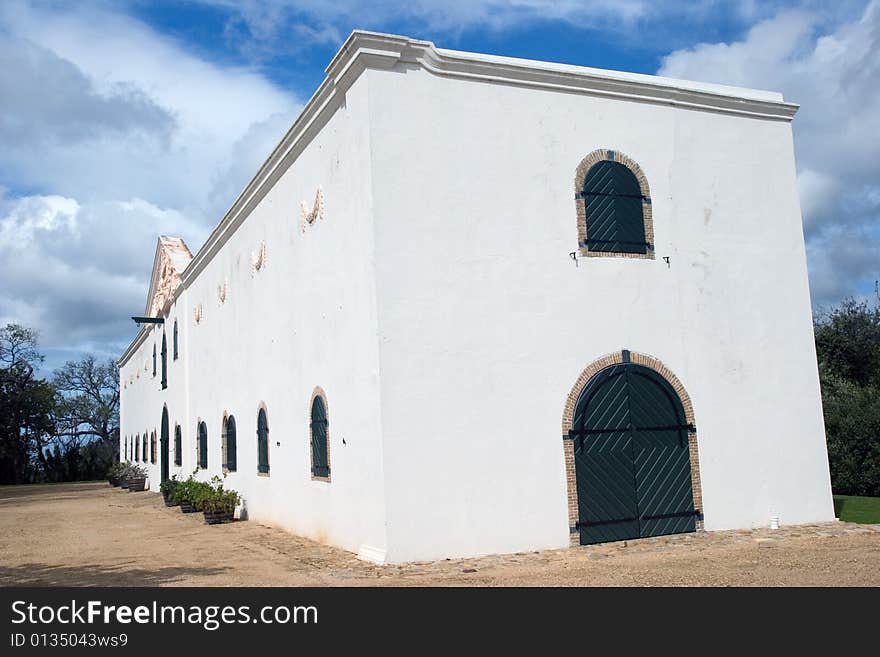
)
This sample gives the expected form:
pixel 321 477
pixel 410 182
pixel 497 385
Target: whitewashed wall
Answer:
pixel 307 319
pixel 486 322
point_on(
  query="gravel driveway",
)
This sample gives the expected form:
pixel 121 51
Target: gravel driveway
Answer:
pixel 90 534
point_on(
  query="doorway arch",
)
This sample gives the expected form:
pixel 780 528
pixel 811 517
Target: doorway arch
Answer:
pixel 631 454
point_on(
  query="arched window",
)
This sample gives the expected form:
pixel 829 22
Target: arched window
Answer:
pixel 178 440
pixel 320 438
pixel 262 442
pixel 174 339
pixel 153 447
pixel 203 445
pixel 144 456
pixel 137 449
pixel 164 362
pixel 125 448
pixel 154 359
pixel 614 208
pixel 230 455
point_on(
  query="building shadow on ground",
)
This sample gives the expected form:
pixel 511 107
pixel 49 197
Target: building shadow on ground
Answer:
pixel 39 574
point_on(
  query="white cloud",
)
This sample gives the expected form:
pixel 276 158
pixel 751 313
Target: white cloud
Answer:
pixel 833 72
pixel 112 134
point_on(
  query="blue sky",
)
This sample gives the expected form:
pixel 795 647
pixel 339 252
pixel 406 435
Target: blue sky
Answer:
pixel 124 119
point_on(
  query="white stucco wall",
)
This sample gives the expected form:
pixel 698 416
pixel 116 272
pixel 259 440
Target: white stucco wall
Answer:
pixel 306 319
pixel 485 322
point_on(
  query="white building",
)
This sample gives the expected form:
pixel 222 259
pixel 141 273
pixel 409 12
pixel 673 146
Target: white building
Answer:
pixel 540 304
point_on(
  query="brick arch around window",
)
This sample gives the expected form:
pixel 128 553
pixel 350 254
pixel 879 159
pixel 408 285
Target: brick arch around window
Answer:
pixel 580 177
pixel 588 373
pixel 320 471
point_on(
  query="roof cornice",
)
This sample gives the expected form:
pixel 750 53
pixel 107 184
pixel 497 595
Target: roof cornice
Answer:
pixel 363 50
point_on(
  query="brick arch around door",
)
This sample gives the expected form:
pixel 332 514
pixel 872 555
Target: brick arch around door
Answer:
pixel 631 452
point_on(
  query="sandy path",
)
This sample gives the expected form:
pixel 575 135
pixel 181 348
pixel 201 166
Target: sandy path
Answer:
pixel 91 534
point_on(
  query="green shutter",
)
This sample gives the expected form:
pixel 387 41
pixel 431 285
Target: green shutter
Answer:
pixel 174 339
pixel 231 455
pixel 262 442
pixel 203 445
pixel 613 200
pixel 164 362
pixel 177 446
pixel 319 439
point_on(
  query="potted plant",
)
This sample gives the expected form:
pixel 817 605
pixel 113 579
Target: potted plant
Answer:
pixel 169 488
pixel 189 493
pixel 218 503
pixel 137 478
pixel 125 475
pixel 115 472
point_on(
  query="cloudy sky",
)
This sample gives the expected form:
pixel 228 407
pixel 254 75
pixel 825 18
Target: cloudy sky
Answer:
pixel 121 120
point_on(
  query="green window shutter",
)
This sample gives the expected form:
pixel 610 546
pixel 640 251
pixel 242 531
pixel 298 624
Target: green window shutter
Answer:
pixel 613 200
pixel 203 445
pixel 174 339
pixel 164 362
pixel 231 455
pixel 177 446
pixel 262 442
pixel 154 360
pixel 319 427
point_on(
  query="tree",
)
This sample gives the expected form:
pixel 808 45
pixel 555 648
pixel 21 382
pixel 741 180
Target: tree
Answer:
pixel 87 417
pixel 26 405
pixel 848 350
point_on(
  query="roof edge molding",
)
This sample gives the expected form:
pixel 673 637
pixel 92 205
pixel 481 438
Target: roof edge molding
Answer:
pixel 363 50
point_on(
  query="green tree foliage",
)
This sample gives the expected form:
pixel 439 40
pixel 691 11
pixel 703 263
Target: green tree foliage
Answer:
pixel 26 405
pixel 848 350
pixel 63 430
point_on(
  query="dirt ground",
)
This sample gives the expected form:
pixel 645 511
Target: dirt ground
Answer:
pixel 93 535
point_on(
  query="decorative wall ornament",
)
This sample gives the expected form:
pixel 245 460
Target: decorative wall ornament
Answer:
pixel 317 211
pixel 258 259
pixel 222 291
pixel 197 314
pixel 172 257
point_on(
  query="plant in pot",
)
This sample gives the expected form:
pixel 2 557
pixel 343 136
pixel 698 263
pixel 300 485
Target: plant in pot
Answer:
pixel 189 493
pixel 169 489
pixel 115 472
pixel 137 478
pixel 125 475
pixel 218 503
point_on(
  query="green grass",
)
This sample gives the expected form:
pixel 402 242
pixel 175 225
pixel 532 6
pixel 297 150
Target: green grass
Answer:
pixel 851 508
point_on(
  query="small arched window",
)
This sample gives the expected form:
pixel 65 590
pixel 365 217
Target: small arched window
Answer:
pixel 164 362
pixel 174 339
pixel 137 449
pixel 320 437
pixel 144 456
pixel 203 445
pixel 614 207
pixel 230 455
pixel 178 440
pixel 154 359
pixel 262 442
pixel 153 447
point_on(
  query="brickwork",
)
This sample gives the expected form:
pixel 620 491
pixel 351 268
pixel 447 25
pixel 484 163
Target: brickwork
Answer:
pixel 568 418
pixel 583 168
pixel 319 392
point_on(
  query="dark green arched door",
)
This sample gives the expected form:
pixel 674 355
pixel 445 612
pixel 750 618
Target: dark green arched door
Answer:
pixel 164 444
pixel 632 460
